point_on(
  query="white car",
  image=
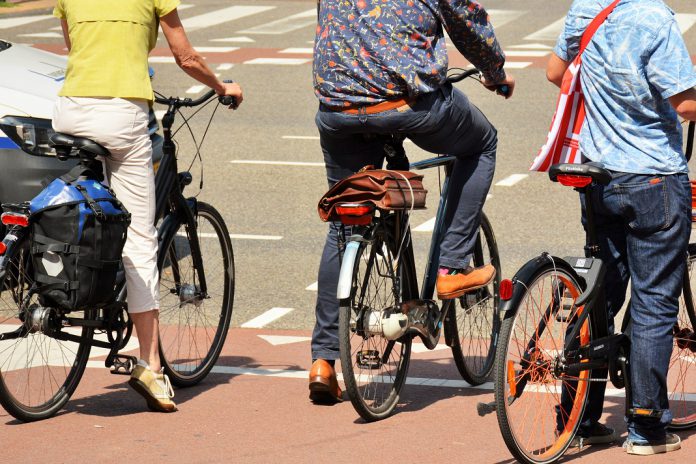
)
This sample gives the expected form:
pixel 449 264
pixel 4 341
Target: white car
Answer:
pixel 29 83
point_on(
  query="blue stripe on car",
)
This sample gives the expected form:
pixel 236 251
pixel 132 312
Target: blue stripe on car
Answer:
pixel 7 143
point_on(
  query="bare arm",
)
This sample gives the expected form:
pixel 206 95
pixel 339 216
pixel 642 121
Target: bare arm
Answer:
pixel 685 104
pixel 555 69
pixel 190 61
pixel 66 35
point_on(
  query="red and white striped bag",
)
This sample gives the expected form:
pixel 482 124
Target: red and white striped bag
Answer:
pixel 563 139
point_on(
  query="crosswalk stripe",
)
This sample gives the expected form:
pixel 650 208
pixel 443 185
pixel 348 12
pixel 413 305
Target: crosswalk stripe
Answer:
pixel 161 59
pixel 285 25
pixel 427 226
pixel 217 17
pixel 276 340
pixel 216 49
pixel 517 64
pixel 313 287
pixel 43 35
pixel 266 318
pixel 526 53
pixel 511 180
pixel 7 23
pixel 550 32
pixel 685 21
pixel 196 89
pixel 224 67
pixel 234 39
pixel 499 18
pixel 279 61
pixel 297 50
pixel 534 46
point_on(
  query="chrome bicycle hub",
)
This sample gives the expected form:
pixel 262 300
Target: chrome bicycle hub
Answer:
pixel 190 294
pixel 42 320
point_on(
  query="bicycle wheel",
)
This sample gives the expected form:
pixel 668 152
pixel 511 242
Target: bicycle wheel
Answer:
pixel 473 323
pixel 374 368
pixel 38 373
pixel 528 383
pixel 193 326
pixel 681 378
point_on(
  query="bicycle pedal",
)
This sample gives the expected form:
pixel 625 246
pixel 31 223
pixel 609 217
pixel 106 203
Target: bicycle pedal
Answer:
pixel 123 364
pixel 368 359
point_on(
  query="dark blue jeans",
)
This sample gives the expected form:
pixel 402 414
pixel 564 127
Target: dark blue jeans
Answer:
pixel 442 122
pixel 643 223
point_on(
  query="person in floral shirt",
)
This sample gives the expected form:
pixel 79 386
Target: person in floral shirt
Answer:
pixel 380 72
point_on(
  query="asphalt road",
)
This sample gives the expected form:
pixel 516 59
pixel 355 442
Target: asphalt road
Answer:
pixel 276 124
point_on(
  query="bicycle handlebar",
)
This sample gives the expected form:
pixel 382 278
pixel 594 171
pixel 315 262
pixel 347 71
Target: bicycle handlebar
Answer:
pixel 177 102
pixel 503 89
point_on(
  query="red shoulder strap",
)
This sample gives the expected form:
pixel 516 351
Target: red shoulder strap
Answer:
pixel 594 25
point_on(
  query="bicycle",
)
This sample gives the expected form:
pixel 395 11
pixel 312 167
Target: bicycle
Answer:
pixel 378 280
pixel 555 340
pixel 44 351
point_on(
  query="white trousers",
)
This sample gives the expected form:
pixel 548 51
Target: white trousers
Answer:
pixel 121 127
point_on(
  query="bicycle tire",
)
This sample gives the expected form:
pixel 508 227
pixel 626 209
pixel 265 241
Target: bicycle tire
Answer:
pixel 187 352
pixel 551 285
pixel 472 324
pixel 374 395
pixel 681 378
pixel 39 384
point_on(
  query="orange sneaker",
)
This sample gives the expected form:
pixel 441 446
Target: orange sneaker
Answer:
pixel 455 285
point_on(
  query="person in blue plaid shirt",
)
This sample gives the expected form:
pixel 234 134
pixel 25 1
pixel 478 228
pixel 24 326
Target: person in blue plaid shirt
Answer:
pixel 380 70
pixel 637 78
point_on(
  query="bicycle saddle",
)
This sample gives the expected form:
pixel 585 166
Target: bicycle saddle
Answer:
pixel 595 171
pixel 64 144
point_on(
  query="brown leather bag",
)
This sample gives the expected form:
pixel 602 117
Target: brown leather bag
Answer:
pixel 387 190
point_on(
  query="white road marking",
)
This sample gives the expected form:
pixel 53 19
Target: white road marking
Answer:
pixel 427 226
pixel 159 114
pixel 276 340
pixel 216 17
pixel 196 89
pixel 300 137
pixel 162 59
pixel 279 61
pixel 278 163
pixel 234 39
pixel 526 53
pixel 216 49
pixel 313 287
pixel 224 67
pixel 266 318
pixel 499 18
pixel 235 236
pixel 185 6
pixel 43 35
pixel 297 50
pixel 288 24
pixel 550 32
pixel 535 46
pixel 7 23
pixel 685 21
pixel 511 180
pixel 517 64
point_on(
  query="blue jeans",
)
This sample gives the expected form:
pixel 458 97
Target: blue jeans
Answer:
pixel 643 223
pixel 443 122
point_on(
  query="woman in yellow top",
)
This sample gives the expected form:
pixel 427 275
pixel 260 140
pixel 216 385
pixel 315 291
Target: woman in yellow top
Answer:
pixel 106 98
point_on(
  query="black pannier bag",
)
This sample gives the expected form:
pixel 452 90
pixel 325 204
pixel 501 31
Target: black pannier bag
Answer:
pixel 78 229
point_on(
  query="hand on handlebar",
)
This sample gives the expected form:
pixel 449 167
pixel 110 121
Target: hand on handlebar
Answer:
pixel 504 88
pixel 233 90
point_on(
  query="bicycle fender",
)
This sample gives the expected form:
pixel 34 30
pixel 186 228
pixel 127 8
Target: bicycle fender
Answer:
pixel 527 273
pixel 345 277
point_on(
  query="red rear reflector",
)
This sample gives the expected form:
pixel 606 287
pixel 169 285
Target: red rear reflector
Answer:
pixel 3 248
pixel 570 180
pixel 355 214
pixel 353 210
pixel 505 289
pixel 11 219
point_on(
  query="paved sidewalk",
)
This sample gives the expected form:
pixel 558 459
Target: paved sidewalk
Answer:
pixel 29 6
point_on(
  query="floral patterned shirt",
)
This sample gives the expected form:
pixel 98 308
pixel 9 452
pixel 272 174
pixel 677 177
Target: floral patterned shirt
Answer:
pixel 370 51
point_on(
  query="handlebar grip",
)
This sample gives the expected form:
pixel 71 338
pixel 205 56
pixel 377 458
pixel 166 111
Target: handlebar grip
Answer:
pixel 504 90
pixel 227 100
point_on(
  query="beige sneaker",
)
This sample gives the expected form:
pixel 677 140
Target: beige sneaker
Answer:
pixel 154 387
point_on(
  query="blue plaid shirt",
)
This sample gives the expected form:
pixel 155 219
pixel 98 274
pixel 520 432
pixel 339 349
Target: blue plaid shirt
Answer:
pixel 370 51
pixel 634 63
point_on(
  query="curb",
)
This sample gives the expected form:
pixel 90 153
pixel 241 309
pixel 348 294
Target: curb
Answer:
pixel 29 6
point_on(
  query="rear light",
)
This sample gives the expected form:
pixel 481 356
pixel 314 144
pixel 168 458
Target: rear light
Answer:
pixel 570 180
pixel 355 214
pixel 3 248
pixel 505 289
pixel 14 219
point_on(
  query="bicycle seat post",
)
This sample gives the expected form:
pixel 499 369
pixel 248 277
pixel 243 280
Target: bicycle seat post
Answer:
pixel 591 247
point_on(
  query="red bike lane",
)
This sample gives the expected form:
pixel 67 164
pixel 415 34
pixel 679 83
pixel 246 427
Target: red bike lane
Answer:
pixel 254 409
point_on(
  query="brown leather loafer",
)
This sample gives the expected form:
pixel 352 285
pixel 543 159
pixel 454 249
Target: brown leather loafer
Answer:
pixel 455 285
pixel 323 385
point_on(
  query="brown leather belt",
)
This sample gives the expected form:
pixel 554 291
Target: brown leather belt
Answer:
pixel 378 108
